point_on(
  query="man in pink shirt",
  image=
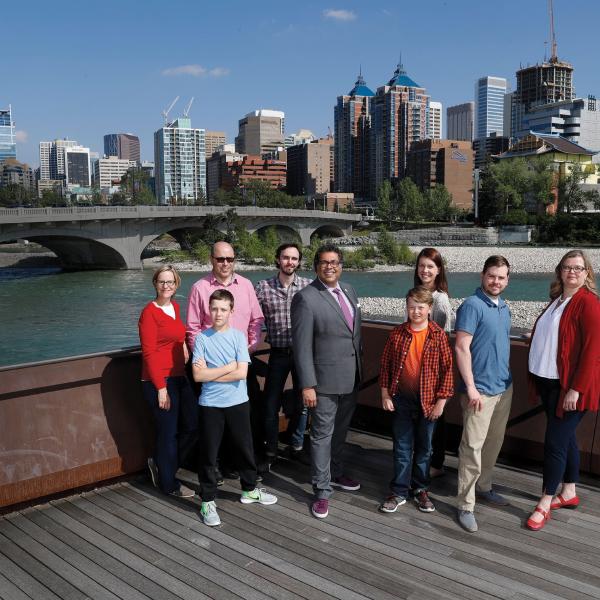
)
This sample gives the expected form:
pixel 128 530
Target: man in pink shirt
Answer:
pixel 247 316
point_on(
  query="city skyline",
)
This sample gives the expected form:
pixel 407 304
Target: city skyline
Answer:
pixel 237 59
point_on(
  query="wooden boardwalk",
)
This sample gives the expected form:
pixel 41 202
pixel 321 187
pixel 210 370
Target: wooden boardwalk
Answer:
pixel 126 541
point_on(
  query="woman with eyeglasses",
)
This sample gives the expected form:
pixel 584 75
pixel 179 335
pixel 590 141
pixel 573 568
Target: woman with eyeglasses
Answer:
pixel 564 361
pixel 165 385
pixel 430 272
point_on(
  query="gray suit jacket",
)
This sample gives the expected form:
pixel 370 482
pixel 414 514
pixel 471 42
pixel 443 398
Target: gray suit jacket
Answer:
pixel 327 354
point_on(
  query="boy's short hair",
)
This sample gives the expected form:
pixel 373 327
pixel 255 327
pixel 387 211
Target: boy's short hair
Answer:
pixel 221 295
pixel 420 294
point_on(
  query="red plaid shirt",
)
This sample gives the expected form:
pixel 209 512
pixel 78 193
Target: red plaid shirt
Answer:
pixel 437 378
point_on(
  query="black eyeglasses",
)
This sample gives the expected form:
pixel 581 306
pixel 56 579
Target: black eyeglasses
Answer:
pixel 329 263
pixel 574 268
pixel 224 259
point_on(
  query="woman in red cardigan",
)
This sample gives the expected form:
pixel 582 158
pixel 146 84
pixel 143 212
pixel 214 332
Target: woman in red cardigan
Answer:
pixel 165 385
pixel 564 365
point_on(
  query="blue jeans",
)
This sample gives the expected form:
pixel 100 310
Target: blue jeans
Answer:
pixel 281 364
pixel 412 434
pixel 176 428
pixel 561 454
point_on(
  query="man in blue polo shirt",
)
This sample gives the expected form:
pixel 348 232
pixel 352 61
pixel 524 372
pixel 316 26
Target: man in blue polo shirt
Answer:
pixel 482 356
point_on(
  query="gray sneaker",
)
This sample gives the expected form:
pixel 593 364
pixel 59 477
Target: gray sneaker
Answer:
pixel 492 497
pixel 153 471
pixel 183 492
pixel 209 514
pixel 467 521
pixel 259 495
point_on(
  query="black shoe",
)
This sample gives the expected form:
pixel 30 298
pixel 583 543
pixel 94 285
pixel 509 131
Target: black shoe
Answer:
pixel 300 456
pixel 230 473
pixel 219 476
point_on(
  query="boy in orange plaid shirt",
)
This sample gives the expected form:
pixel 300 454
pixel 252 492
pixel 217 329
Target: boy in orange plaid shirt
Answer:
pixel 416 381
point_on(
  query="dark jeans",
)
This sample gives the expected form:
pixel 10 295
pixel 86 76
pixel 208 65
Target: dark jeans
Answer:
pixel 438 444
pixel 561 454
pixel 281 364
pixel 176 428
pixel 212 425
pixel 412 447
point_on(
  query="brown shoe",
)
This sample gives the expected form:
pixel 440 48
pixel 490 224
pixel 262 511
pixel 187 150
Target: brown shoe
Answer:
pixel 424 504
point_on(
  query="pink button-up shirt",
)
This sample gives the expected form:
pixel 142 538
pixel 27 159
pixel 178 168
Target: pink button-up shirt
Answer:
pixel 247 315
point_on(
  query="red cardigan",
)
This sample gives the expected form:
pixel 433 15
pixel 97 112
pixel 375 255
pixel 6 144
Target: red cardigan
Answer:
pixel 578 356
pixel 162 339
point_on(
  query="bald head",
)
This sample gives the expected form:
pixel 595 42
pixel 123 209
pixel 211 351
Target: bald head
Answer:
pixel 221 258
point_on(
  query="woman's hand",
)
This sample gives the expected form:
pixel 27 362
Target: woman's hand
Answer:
pixel 164 402
pixel 186 353
pixel 570 400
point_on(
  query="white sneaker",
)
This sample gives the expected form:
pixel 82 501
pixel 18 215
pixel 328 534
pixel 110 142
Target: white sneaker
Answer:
pixel 209 514
pixel 259 495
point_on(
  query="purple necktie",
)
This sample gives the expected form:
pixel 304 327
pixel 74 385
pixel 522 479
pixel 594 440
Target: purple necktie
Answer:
pixel 345 309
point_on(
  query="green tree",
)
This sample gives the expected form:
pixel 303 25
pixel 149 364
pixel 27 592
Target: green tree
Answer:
pixel 144 197
pixel 410 200
pixel 385 210
pixel 393 252
pixel 52 198
pixel 571 196
pixel 14 195
pixel 437 204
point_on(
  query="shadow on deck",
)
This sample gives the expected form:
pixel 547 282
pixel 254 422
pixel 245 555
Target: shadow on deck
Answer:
pixel 128 541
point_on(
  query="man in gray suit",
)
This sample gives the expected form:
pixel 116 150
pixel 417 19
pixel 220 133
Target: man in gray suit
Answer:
pixel 327 346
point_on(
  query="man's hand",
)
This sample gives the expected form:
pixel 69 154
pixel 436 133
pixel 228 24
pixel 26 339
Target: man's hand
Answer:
pixel 438 409
pixel 570 400
pixel 201 363
pixel 387 403
pixel 164 402
pixel 309 397
pixel 475 399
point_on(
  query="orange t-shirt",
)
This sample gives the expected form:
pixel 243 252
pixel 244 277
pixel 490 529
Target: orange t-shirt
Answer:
pixel 409 382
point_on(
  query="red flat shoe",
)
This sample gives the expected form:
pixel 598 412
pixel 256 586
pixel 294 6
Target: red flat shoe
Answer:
pixel 535 526
pixel 560 502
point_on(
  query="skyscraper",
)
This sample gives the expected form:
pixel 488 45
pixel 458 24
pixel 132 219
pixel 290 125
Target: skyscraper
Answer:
pixel 125 146
pixel 309 168
pixel 459 122
pixel 77 167
pixel 489 106
pixel 261 132
pixel 398 118
pixel 434 121
pixel 180 162
pixel 351 135
pixel 8 140
pixel 214 139
pixel 52 159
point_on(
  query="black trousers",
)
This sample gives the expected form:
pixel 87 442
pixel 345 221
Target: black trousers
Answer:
pixel 439 444
pixel 213 422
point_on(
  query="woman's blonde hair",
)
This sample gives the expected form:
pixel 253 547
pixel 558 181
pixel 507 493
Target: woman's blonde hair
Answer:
pixel 556 287
pixel 167 268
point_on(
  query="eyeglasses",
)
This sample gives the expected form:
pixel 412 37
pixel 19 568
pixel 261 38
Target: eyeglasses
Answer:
pixel 329 263
pixel 224 259
pixel 574 269
pixel 168 283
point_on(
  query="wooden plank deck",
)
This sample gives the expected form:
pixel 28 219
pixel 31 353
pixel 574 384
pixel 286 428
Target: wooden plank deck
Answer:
pixel 126 541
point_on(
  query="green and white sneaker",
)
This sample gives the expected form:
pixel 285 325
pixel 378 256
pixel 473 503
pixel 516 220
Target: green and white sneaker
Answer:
pixel 259 495
pixel 209 514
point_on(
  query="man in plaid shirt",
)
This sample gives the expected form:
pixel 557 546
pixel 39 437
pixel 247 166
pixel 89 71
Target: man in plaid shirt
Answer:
pixel 416 381
pixel 275 298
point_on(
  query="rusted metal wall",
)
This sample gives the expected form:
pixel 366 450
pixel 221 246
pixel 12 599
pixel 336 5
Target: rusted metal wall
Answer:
pixel 74 422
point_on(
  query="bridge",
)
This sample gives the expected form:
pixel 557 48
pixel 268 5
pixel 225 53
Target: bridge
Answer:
pixel 114 237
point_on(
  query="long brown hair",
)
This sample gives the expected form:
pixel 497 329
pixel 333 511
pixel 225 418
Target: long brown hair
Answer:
pixel 556 287
pixel 441 283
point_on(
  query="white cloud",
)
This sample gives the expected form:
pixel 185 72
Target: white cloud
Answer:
pixel 21 135
pixel 195 71
pixel 339 14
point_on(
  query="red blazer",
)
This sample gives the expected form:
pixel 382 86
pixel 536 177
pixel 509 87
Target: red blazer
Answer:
pixel 578 358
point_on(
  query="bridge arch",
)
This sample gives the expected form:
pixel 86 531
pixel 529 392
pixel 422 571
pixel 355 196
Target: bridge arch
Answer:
pixel 285 232
pixel 329 230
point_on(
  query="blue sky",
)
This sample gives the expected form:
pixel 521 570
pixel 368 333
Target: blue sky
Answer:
pixel 81 70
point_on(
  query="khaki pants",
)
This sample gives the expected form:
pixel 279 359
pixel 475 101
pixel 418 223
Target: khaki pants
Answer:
pixel 483 434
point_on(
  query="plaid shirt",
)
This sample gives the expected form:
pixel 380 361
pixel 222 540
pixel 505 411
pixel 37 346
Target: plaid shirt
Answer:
pixel 275 301
pixel 436 380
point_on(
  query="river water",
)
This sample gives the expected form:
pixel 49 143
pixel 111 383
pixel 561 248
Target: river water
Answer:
pixel 47 313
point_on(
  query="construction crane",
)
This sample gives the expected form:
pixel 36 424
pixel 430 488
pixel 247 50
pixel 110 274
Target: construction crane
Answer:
pixel 165 113
pixel 553 50
pixel 187 108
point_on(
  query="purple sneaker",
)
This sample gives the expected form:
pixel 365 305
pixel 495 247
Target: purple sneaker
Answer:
pixel 320 508
pixel 345 483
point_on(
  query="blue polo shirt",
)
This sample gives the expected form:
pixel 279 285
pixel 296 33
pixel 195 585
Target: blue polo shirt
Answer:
pixel 489 324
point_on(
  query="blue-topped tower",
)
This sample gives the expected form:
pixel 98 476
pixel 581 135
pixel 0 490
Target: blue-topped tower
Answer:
pixel 351 133
pixel 399 117
pixel 8 140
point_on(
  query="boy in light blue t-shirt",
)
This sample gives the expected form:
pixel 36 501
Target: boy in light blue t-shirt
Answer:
pixel 220 362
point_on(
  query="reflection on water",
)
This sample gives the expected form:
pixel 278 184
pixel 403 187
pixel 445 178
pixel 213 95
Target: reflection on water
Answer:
pixel 47 313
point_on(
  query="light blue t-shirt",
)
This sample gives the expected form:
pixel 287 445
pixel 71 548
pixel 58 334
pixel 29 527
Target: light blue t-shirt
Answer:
pixel 489 324
pixel 219 349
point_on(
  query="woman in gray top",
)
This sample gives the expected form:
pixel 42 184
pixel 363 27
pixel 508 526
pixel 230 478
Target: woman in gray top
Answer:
pixel 430 272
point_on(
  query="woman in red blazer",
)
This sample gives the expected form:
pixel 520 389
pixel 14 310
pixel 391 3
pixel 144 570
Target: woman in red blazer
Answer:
pixel 564 367
pixel 165 385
